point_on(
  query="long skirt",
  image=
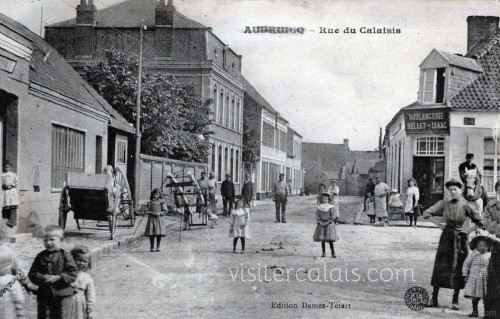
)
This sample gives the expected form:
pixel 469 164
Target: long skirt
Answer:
pixel 325 233
pixel 155 226
pixel 492 299
pixel 451 254
pixel 381 206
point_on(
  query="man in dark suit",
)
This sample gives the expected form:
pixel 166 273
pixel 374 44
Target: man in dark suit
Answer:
pixel 248 192
pixel 227 192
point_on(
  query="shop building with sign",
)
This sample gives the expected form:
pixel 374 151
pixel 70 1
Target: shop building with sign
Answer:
pixel 457 112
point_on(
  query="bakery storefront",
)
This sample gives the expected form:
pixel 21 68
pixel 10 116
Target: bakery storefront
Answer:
pixel 429 143
pixel 417 147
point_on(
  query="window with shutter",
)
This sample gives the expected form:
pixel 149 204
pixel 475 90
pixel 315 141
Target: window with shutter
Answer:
pixel 68 153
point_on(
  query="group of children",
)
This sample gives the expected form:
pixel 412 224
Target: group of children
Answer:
pixel 410 208
pixel 157 209
pixel 59 278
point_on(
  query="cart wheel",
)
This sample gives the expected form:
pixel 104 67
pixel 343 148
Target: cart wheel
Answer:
pixel 126 207
pixel 112 225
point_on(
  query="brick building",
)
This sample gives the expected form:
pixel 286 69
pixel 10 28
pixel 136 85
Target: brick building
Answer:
pixel 173 44
pixel 456 113
pixel 51 122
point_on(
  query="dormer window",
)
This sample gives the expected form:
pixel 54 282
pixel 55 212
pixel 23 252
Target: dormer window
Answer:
pixel 433 91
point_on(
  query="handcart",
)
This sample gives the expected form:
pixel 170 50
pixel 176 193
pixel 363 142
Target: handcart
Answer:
pixel 98 197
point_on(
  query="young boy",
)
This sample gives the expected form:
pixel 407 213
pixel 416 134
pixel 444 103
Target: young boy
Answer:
pixel 53 271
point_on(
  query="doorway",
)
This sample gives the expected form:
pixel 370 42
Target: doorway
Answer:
pixel 121 151
pixel 429 173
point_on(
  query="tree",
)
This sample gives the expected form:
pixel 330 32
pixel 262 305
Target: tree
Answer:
pixel 175 122
pixel 250 149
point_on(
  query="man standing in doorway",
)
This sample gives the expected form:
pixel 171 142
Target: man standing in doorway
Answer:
pixel 227 192
pixel 467 165
pixel 280 192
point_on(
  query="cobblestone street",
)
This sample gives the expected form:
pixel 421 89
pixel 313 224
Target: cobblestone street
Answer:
pixel 201 277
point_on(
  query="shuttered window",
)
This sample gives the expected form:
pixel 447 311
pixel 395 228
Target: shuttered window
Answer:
pixel 68 153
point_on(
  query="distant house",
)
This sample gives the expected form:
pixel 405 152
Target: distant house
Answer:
pixel 51 122
pixel 323 161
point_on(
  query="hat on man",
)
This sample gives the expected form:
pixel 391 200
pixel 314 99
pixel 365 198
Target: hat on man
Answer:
pixel 212 174
pixel 228 175
pixel 281 174
pixel 453 182
pixel 333 180
pixel 394 190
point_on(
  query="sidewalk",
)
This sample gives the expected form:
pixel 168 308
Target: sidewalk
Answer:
pixel 97 240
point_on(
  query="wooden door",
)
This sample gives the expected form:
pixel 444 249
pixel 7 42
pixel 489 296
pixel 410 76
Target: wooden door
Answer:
pixel 121 153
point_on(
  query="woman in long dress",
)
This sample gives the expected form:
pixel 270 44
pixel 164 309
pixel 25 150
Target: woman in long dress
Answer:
pixel 380 193
pixel 491 217
pixel 453 243
pixel 412 198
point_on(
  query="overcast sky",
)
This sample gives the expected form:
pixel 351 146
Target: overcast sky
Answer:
pixel 329 86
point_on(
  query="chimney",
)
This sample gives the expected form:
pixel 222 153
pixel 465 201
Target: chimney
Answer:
pixel 479 28
pixel 346 143
pixel 86 13
pixel 86 19
pixel 164 14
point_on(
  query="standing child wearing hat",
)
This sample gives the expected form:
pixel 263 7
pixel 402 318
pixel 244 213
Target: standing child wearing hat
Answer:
pixel 475 271
pixel 239 228
pixel 325 228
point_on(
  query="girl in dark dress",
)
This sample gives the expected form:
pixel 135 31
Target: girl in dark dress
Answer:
pixel 155 228
pixel 453 244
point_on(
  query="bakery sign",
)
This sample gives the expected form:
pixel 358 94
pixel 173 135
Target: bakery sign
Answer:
pixel 427 121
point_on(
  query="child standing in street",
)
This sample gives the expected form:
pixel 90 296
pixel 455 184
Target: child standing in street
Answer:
pixel 82 302
pixel 325 229
pixel 370 209
pixel 53 271
pixel 10 197
pixel 155 228
pixel 240 217
pixel 475 271
pixel 12 300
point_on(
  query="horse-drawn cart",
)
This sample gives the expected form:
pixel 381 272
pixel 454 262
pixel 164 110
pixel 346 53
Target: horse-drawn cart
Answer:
pixel 98 197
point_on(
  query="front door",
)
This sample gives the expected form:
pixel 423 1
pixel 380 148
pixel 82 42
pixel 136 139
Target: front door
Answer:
pixel 121 153
pixel 429 173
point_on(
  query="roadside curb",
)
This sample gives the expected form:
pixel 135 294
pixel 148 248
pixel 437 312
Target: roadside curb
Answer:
pixel 123 242
pixel 114 245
